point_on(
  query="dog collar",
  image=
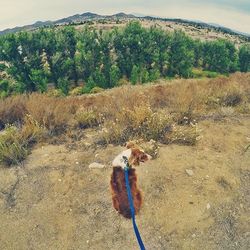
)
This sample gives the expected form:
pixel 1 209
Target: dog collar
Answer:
pixel 127 166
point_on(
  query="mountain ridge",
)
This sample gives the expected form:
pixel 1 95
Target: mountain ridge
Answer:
pixel 88 16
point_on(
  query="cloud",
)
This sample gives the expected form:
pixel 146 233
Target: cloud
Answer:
pixel 230 13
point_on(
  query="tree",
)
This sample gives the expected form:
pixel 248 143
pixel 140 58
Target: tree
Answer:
pixel 144 75
pixel 88 55
pixel 4 88
pixel 154 74
pixel 129 47
pixel 39 79
pixel 66 42
pixel 181 55
pixel 198 53
pixel 244 58
pixel 134 75
pixel 157 46
pixel 115 75
pixel 63 85
pixel 89 85
pixel 220 56
pixel 100 58
pixel 233 57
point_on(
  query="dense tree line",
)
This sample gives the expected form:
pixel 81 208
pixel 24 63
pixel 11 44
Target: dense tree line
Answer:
pixel 65 56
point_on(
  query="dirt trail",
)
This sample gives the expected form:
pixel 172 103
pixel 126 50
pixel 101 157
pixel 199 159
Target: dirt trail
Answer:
pixel 54 201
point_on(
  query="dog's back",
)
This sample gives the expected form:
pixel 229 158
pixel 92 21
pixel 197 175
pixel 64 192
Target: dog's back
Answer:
pixel 119 192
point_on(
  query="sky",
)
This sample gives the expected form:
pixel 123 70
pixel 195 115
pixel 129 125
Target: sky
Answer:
pixel 233 14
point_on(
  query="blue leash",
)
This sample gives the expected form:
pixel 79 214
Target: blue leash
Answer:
pixel 131 204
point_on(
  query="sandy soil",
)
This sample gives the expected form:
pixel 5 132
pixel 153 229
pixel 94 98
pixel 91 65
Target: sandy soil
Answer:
pixel 54 201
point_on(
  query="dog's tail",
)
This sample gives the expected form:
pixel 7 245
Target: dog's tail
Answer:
pixel 125 211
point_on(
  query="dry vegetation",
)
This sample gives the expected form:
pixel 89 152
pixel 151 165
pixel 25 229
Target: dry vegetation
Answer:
pixel 196 193
pixel 167 112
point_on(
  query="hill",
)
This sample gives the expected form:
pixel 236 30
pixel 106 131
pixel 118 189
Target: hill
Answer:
pixel 196 189
pixel 194 28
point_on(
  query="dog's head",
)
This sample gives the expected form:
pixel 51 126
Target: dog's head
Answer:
pixel 137 154
pixel 134 154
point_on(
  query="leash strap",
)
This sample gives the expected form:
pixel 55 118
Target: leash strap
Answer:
pixel 131 204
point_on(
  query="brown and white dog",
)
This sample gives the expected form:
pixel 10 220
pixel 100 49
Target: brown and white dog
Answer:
pixel 135 156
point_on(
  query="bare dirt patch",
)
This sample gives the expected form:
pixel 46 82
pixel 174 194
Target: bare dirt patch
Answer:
pixel 54 201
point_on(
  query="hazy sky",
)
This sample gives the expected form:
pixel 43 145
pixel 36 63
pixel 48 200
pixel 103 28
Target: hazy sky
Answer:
pixel 230 13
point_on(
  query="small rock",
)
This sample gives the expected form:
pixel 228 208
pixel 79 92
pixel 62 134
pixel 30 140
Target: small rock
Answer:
pixel 96 165
pixel 241 205
pixel 208 206
pixel 189 172
pixel 96 155
pixel 77 162
pixel 59 180
pixel 193 235
pixel 87 241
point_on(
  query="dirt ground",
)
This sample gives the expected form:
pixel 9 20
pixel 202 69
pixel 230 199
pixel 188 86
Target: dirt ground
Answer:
pixel 54 201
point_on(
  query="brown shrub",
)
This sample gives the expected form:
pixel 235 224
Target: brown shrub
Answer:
pixel 183 135
pixel 12 110
pixel 130 112
pixel 31 131
pixel 55 114
pixel 87 118
pixel 141 122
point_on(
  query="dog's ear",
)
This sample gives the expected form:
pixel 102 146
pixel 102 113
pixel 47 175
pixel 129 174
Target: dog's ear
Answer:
pixel 138 155
pixel 135 156
pixel 130 144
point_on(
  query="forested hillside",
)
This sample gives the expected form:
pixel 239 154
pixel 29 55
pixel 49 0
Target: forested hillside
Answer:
pixel 89 59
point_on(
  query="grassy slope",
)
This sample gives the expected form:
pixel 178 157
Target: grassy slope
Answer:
pixel 54 200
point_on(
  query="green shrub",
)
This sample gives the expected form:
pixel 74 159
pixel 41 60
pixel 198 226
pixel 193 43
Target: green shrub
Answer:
pixel 55 93
pixel 3 94
pixel 96 90
pixel 123 81
pixel 76 91
pixel 211 74
pixel 199 73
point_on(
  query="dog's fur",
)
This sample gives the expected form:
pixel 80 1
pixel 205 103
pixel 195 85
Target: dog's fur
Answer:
pixel 118 185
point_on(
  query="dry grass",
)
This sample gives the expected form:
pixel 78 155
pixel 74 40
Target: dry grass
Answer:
pixel 31 131
pixel 15 142
pixel 87 118
pixel 165 111
pixel 12 110
pixel 12 149
pixel 187 135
